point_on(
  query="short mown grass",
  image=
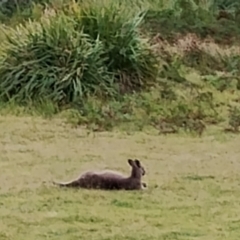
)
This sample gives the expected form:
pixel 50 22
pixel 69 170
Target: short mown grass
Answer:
pixel 193 184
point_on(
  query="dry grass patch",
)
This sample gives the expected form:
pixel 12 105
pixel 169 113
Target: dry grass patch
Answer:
pixel 190 41
pixel 193 184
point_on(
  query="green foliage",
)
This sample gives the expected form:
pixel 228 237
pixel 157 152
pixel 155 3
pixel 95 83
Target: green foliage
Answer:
pixel 229 5
pixel 217 19
pixel 96 58
pixel 15 11
pixel 222 83
pixel 136 111
pixel 55 62
pixel 62 60
pixel 127 55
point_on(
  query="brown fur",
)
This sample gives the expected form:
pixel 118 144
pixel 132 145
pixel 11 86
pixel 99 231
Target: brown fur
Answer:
pixel 110 180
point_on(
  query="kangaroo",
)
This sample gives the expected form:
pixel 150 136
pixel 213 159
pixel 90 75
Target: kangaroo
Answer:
pixel 110 180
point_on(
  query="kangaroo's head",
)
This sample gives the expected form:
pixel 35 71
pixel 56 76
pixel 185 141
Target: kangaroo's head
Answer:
pixel 137 169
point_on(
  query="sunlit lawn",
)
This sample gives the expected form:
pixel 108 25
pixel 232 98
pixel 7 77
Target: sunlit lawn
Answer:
pixel 193 193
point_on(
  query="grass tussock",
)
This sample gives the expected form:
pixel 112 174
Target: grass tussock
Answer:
pixel 67 58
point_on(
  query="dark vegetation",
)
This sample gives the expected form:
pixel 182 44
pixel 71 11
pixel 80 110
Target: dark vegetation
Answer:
pixel 165 64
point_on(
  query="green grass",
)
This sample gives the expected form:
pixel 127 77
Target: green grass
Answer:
pixel 193 184
pixel 193 190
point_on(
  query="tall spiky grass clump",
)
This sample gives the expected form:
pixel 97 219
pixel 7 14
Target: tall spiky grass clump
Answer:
pixel 70 56
pixel 55 62
pixel 128 54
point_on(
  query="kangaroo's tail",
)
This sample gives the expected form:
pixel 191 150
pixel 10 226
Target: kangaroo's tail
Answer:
pixel 74 184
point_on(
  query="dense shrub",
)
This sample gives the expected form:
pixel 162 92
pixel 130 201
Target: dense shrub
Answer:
pixel 54 62
pixel 68 57
pixel 127 54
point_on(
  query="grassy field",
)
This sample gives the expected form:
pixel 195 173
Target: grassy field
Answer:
pixel 142 68
pixel 193 184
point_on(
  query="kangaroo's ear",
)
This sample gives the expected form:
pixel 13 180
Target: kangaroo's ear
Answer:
pixel 138 163
pixel 131 162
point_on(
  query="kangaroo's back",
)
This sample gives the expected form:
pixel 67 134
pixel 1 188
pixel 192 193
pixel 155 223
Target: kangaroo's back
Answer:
pixel 106 179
